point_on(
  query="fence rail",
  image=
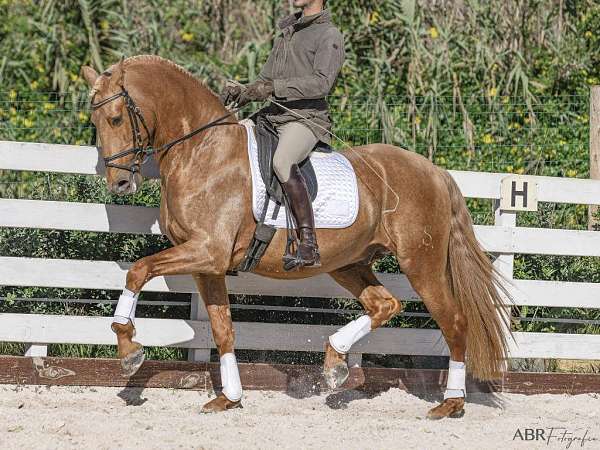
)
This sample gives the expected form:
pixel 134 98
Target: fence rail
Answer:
pixel 504 239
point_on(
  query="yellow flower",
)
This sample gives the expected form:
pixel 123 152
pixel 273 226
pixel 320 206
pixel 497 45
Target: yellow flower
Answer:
pixel 417 120
pixel 49 106
pixel 433 32
pixel 187 37
pixel 12 94
pixel 74 77
pixel 34 85
pixel 588 34
pixel 79 142
pixel 40 68
pixel 527 119
pixel 374 17
pixel 509 168
pixel 492 92
pixel 505 99
pixel 13 111
pixel 56 132
pixel 562 142
pixel 520 170
pixel 28 123
pixel 83 117
pixel 104 24
pixel 488 139
pixel 572 173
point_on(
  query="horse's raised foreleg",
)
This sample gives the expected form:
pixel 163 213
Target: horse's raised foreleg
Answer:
pixel 188 258
pixel 214 294
pixel 380 305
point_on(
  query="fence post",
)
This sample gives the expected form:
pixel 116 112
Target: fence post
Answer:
pixel 198 312
pixel 36 350
pixel 594 148
pixel 504 263
pixel 354 359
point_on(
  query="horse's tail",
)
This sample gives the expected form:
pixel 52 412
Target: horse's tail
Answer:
pixel 477 286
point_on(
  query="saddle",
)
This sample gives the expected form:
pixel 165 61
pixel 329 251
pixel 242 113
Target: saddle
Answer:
pixel 267 140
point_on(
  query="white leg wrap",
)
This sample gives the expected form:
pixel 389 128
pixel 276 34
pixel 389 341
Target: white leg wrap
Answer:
pixel 125 309
pixel 230 378
pixel 455 387
pixel 343 339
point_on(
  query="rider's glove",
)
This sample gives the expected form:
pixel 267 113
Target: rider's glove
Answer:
pixel 255 92
pixel 231 93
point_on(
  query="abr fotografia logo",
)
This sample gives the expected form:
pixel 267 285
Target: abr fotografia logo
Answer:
pixel 555 435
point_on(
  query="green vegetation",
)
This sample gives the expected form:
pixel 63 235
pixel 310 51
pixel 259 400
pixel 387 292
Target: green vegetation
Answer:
pixel 473 85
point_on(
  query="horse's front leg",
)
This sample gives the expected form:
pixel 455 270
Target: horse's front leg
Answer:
pixel 188 258
pixel 214 293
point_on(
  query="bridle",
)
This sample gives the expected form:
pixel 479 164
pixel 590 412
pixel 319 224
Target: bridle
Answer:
pixel 141 152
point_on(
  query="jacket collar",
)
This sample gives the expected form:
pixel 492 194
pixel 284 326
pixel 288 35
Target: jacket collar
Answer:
pixel 299 19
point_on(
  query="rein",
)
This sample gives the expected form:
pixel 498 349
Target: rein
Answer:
pixel 140 151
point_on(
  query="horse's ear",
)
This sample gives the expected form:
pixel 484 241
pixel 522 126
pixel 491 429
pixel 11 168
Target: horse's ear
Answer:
pixel 89 75
pixel 121 81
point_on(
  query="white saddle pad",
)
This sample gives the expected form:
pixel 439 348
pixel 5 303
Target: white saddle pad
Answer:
pixel 336 204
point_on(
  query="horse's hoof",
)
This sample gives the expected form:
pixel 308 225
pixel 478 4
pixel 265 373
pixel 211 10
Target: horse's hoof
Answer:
pixel 336 376
pixel 131 363
pixel 220 404
pixel 335 368
pixel 451 407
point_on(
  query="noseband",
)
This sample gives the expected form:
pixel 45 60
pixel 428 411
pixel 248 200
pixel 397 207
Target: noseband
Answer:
pixel 140 151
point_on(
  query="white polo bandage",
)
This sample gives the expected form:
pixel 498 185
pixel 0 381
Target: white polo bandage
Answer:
pixel 346 336
pixel 125 309
pixel 230 378
pixel 455 386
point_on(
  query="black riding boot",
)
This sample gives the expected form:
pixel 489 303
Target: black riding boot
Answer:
pixel 297 194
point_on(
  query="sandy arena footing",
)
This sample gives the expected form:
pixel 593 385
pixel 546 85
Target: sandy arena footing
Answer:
pixel 65 417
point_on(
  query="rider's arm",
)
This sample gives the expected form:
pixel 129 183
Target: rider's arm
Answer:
pixel 327 64
pixel 266 74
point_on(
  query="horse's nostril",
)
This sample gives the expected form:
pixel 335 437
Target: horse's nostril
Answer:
pixel 121 186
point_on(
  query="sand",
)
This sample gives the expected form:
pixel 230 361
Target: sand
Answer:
pixel 41 417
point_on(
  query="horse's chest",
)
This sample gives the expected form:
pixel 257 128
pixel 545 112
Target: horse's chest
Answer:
pixel 172 225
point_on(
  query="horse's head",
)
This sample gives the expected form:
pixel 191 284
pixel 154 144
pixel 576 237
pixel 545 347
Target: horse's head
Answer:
pixel 124 126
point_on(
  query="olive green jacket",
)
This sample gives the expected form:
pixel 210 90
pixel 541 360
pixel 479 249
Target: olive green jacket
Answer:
pixel 304 63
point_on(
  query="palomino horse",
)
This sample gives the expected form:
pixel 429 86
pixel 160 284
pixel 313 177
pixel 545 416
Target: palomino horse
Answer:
pixel 206 213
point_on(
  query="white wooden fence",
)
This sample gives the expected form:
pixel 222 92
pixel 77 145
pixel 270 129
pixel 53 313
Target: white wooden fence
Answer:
pixel 504 239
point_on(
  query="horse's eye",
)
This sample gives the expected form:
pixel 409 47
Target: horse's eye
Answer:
pixel 116 121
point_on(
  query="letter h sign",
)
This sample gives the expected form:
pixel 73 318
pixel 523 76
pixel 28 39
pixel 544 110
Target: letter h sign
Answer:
pixel 518 193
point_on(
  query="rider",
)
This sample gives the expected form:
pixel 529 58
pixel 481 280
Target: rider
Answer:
pixel 300 72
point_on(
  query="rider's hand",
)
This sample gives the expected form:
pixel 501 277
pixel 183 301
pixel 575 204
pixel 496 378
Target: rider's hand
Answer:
pixel 230 94
pixel 255 92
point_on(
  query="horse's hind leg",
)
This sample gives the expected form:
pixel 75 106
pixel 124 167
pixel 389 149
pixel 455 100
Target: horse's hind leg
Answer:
pixel 380 305
pixel 430 281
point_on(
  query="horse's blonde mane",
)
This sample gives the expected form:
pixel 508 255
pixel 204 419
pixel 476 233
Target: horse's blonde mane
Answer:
pixel 147 59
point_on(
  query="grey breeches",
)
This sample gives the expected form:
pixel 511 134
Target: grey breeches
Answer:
pixel 296 141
